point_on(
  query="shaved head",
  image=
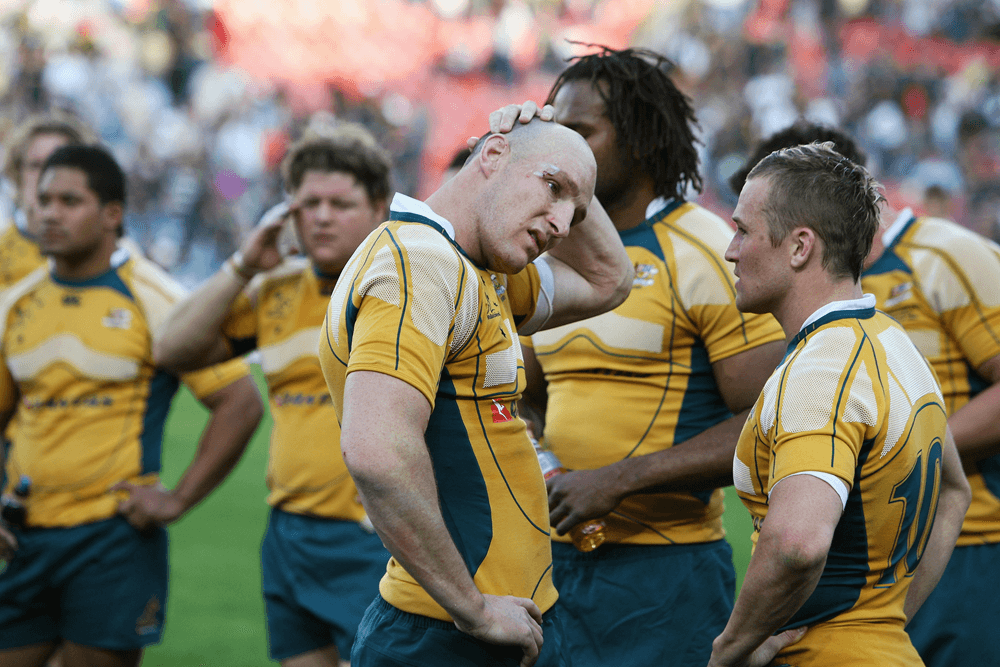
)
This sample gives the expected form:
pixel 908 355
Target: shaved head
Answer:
pixel 538 137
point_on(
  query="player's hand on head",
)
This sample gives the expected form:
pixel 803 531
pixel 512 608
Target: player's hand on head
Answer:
pixel 261 250
pixel 148 506
pixel 580 495
pixel 8 543
pixel 502 120
pixel 511 621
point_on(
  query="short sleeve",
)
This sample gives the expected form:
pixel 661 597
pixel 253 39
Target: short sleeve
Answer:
pixel 240 325
pixel 207 381
pixel 963 284
pixel 825 411
pixel 405 306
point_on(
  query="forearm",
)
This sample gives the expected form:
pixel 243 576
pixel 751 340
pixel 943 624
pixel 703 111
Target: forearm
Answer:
pixel 236 411
pixel 402 503
pixel 594 251
pixel 772 592
pixel 701 463
pixel 192 336
pixel 976 426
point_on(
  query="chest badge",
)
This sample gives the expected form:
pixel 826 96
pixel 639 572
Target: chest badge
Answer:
pixel 118 318
pixel 644 275
pixel 899 294
pixel 500 412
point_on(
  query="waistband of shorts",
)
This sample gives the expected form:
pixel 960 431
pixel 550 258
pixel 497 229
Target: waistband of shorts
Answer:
pixel 425 622
pixel 624 552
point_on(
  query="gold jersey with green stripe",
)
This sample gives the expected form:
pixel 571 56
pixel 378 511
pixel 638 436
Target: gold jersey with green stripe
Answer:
pixel 942 283
pixel 638 379
pixel 853 402
pixel 90 406
pixel 410 304
pixel 19 254
pixel 280 314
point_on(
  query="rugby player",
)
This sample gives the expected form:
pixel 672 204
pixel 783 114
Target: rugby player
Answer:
pixel 424 367
pixel 321 562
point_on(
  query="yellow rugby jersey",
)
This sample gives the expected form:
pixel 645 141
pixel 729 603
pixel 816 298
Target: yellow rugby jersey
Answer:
pixel 410 304
pixel 90 405
pixel 942 283
pixel 638 379
pixel 853 398
pixel 19 254
pixel 280 314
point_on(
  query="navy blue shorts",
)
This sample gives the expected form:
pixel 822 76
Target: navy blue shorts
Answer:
pixel 955 625
pixel 101 584
pixel 390 637
pixel 319 576
pixel 644 605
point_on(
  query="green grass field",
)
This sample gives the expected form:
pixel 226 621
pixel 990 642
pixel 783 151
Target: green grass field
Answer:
pixel 215 616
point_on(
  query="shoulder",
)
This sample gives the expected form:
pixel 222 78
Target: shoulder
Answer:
pixel 956 265
pixel 698 241
pixel 290 270
pixel 10 296
pixel 155 292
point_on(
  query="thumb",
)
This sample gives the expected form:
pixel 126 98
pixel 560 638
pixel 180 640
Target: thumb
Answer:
pixel 792 636
pixel 126 486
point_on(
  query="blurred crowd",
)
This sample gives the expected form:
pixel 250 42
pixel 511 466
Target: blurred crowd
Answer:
pixel 196 100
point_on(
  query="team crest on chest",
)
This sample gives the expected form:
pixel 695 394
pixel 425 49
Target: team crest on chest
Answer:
pixel 644 275
pixel 899 294
pixel 118 318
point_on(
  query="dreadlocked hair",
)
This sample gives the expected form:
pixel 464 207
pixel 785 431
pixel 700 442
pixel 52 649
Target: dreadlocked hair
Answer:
pixel 654 120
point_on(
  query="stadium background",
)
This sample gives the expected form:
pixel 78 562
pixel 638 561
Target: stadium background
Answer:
pixel 199 99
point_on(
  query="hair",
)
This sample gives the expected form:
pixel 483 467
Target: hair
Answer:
pixel 802 132
pixel 653 120
pixel 37 125
pixel 346 147
pixel 460 158
pixel 815 186
pixel 104 177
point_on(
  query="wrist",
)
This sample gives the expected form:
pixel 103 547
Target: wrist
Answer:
pixel 236 266
pixel 469 614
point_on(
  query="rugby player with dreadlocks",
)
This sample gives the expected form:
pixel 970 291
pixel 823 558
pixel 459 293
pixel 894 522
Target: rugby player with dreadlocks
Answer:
pixel 644 404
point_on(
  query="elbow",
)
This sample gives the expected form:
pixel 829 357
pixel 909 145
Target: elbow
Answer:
pixel 802 555
pixel 624 286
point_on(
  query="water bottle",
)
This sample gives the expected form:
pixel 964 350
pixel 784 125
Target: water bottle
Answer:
pixel 12 507
pixel 586 536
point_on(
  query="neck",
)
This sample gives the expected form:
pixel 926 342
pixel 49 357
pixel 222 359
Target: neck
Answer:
pixel 451 202
pixel 808 297
pixel 86 265
pixel 629 210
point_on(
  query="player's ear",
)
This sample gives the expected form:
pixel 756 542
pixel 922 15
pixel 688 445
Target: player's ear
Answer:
pixel 495 150
pixel 113 214
pixel 803 246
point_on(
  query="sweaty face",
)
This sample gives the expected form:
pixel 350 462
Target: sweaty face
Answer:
pixel 539 197
pixel 762 270
pixel 579 106
pixel 335 215
pixel 39 149
pixel 72 221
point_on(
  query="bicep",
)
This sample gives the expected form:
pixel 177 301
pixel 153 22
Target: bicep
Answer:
pixel 742 376
pixel 805 511
pixel 383 417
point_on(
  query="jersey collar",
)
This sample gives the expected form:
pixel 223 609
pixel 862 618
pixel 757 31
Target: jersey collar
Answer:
pixel 401 204
pixel 898 226
pixel 860 309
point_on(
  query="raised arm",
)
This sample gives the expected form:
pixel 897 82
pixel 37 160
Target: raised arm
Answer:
pixel 236 410
pixel 953 502
pixel 192 336
pixel 592 272
pixel 382 440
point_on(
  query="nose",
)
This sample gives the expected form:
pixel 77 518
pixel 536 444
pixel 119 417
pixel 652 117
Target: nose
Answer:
pixel 733 251
pixel 324 212
pixel 561 218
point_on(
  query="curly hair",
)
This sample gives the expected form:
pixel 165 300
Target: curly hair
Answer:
pixel 346 147
pixel 802 132
pixel 813 185
pixel 654 121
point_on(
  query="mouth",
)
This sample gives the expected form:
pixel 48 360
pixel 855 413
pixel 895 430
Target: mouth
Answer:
pixel 537 239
